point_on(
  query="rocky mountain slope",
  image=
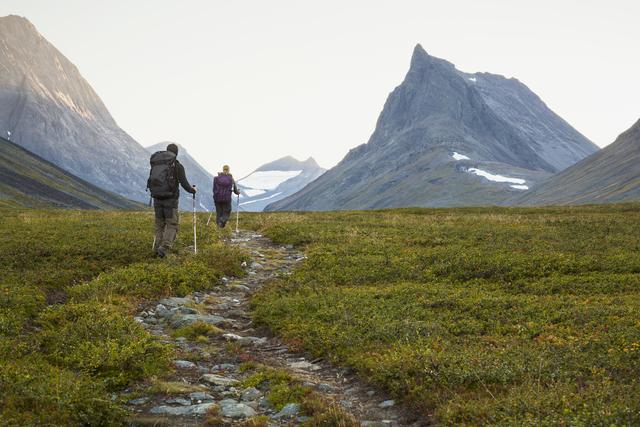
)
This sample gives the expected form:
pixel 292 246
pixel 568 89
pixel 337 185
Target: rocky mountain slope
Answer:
pixel 30 181
pixel 448 138
pixel 610 175
pixel 47 107
pixel 276 180
pixel 196 174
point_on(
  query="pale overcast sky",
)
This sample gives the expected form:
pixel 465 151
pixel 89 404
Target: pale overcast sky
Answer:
pixel 246 82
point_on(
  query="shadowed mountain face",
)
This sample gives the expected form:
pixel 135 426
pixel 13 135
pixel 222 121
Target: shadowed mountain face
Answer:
pixel 610 175
pixel 448 138
pixel 196 174
pixel 30 181
pixel 276 180
pixel 47 107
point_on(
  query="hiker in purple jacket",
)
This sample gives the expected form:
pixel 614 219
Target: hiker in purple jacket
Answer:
pixel 223 185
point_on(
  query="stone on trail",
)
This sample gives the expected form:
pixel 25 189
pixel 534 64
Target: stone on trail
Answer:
pixel 162 311
pixel 289 410
pixel 387 404
pixel 325 387
pixel 175 301
pixel 241 288
pixel 250 394
pixel 138 401
pixel 219 380
pixel 200 409
pixel 232 409
pixel 186 310
pixel 189 319
pixel 256 265
pixel 304 365
pixel 184 364
pixel 200 396
pixel 178 401
pixel 245 341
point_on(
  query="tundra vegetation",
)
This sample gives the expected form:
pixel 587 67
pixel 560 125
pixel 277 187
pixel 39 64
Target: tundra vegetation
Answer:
pixel 482 316
pixel 477 316
pixel 70 284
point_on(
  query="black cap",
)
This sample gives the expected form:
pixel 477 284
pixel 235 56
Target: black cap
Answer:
pixel 173 148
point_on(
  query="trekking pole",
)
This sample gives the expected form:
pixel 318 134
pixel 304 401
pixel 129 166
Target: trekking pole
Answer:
pixel 209 219
pixel 195 236
pixel 237 213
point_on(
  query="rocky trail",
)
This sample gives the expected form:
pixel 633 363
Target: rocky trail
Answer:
pixel 208 376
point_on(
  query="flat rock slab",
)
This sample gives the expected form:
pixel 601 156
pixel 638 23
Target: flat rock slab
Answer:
pixel 189 319
pixel 305 366
pixel 245 341
pixel 200 396
pixel 219 380
pixel 289 410
pixel 233 409
pixel 387 404
pixel 175 301
pixel 200 409
pixel 184 364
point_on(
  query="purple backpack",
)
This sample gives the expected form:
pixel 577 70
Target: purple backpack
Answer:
pixel 222 187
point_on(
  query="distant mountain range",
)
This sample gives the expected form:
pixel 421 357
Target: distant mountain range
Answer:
pixel 47 107
pixel 448 138
pixel 610 175
pixel 443 138
pixel 28 180
pixel 276 180
pixel 196 174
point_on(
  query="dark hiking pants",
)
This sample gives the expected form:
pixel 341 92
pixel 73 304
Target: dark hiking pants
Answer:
pixel 223 212
pixel 166 226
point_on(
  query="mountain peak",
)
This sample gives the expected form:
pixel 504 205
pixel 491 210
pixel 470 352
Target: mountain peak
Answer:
pixel 420 59
pixel 311 162
pixel 289 163
pixel 419 55
pixel 15 22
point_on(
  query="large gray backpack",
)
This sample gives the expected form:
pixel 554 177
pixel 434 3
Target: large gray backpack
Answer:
pixel 162 177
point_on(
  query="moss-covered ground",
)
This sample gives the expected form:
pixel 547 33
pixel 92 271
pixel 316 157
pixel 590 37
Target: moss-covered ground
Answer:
pixel 482 316
pixel 70 283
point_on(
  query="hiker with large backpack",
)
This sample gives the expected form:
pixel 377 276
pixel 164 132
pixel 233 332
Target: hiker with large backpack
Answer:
pixel 223 185
pixel 166 173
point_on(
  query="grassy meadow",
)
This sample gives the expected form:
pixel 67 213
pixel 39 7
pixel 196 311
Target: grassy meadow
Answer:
pixel 71 282
pixel 483 316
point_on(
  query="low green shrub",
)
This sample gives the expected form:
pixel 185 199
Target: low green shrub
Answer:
pixel 479 316
pixel 100 341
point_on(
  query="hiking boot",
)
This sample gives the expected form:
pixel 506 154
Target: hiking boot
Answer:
pixel 161 252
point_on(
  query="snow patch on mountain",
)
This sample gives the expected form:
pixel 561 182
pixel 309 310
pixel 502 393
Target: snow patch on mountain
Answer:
pixel 260 200
pixel 458 156
pixel 267 180
pixel 496 178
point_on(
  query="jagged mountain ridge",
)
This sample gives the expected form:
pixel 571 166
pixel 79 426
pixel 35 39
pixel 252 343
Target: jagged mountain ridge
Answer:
pixel 611 175
pixel 436 112
pixel 47 107
pixel 276 180
pixel 196 174
pixel 28 180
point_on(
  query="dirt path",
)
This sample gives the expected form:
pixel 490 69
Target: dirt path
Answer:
pixel 208 373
